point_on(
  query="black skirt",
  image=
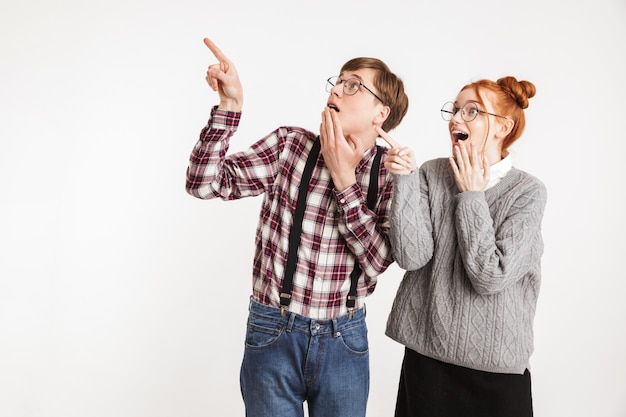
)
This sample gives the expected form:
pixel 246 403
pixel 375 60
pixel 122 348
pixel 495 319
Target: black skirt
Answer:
pixel 431 388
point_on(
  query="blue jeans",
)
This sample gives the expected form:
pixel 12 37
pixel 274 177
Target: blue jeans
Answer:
pixel 292 359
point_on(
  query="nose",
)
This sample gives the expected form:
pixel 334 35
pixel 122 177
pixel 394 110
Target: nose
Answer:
pixel 337 90
pixel 457 116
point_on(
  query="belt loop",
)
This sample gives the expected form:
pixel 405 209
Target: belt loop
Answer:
pixel 292 318
pixel 336 331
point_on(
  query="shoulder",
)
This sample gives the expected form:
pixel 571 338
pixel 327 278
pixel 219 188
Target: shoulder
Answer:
pixel 295 139
pixel 528 181
pixel 438 173
pixel 522 188
pixel 437 162
pixel 296 132
pixel 436 165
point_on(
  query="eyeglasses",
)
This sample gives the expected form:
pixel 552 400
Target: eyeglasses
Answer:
pixel 468 112
pixel 350 87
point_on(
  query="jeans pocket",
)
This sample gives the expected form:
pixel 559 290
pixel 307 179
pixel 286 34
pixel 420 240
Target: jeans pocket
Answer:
pixel 354 340
pixel 262 332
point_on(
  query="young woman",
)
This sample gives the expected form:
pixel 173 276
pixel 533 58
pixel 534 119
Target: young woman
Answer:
pixel 467 229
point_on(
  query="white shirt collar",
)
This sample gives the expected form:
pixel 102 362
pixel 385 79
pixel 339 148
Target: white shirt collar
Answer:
pixel 498 170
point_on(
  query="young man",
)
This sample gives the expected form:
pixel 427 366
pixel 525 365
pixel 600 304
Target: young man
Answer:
pixel 322 237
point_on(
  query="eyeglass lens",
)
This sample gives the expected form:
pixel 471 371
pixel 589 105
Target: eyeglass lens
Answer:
pixel 350 87
pixel 468 112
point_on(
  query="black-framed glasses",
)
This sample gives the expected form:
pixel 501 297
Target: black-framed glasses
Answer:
pixel 350 86
pixel 468 112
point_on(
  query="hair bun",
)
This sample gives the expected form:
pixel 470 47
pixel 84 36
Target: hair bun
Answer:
pixel 520 91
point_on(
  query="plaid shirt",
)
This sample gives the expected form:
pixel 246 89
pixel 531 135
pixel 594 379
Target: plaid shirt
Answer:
pixel 337 229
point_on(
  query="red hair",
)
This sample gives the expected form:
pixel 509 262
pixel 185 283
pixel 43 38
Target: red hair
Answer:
pixel 509 98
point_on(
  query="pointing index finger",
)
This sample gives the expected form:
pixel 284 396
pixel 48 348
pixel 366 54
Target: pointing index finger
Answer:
pixel 216 51
pixel 386 137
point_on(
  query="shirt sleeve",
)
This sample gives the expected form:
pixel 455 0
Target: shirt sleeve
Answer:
pixel 366 231
pixel 212 174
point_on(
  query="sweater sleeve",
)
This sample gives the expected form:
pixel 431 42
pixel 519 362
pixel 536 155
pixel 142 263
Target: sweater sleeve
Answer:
pixel 411 228
pixel 498 252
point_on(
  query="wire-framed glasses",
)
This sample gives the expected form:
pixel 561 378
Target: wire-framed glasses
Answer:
pixel 468 112
pixel 350 86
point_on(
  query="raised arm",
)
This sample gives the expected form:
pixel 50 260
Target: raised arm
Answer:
pixel 497 254
pixel 213 174
pixel 411 230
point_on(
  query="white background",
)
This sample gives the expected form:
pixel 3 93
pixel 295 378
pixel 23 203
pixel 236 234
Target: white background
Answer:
pixel 122 296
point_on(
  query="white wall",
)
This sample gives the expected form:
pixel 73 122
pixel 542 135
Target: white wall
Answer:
pixel 120 295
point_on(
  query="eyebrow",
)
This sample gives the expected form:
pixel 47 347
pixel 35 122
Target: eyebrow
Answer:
pixel 354 75
pixel 469 101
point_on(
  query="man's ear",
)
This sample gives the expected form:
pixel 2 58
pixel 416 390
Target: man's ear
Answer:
pixel 382 115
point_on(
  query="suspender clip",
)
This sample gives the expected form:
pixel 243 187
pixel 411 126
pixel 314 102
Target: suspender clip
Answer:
pixel 285 300
pixel 350 303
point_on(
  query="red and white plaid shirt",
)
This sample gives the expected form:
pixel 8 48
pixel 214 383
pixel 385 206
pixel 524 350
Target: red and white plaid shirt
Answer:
pixel 337 227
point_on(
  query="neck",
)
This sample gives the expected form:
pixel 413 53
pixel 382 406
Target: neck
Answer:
pixel 495 155
pixel 369 142
pixel 369 137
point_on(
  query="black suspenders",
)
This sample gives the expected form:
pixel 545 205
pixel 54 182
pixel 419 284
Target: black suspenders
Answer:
pixel 296 228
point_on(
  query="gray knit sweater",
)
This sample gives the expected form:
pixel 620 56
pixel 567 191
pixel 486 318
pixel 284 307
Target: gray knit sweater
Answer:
pixel 473 263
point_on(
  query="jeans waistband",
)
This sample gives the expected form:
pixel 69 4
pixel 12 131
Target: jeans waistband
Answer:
pixel 292 320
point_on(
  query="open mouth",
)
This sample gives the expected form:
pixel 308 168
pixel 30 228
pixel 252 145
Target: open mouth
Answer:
pixel 458 135
pixel 332 106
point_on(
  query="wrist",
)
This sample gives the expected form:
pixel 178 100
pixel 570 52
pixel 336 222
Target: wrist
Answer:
pixel 342 184
pixel 232 105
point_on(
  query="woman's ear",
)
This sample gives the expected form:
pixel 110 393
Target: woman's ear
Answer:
pixel 504 128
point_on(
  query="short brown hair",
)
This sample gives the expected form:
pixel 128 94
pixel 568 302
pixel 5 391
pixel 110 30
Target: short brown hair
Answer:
pixel 390 88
